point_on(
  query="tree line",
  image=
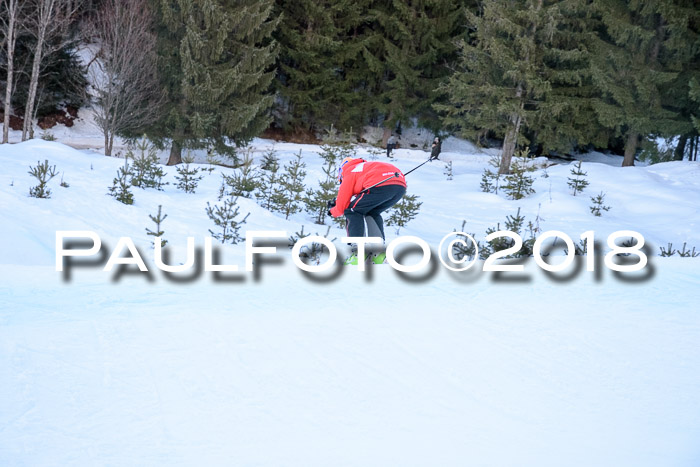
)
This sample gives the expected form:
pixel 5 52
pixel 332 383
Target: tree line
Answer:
pixel 548 76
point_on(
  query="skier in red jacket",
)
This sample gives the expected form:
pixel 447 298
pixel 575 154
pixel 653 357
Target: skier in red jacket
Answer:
pixel 358 205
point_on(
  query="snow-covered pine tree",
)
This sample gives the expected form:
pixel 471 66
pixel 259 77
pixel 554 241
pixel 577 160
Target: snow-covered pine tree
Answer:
pixel 215 62
pixel 292 184
pixel 43 173
pixel 403 212
pixel 147 171
pixel 225 217
pixel 121 185
pixel 578 182
pixel 158 220
pixel 188 177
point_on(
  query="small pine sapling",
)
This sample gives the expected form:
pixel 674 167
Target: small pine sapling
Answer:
pixel 316 200
pixel 225 217
pixel 311 253
pixel 518 182
pixel 121 185
pixel 403 212
pixel 687 253
pixel 578 182
pixel 244 180
pixel 448 170
pixel 212 160
pixel 270 160
pixel 64 184
pixel 466 247
pixel 43 173
pixel 269 194
pixel 292 184
pixel 669 251
pixel 188 177
pixel 374 153
pixel 147 171
pixel 158 220
pixel 598 204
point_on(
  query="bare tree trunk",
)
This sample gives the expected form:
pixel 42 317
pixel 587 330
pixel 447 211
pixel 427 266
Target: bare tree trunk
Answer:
pixel 175 153
pixel 509 144
pixel 108 150
pixel 10 40
pixel 43 13
pixel 630 149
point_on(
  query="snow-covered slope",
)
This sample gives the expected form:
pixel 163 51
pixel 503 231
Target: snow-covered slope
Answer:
pixel 377 368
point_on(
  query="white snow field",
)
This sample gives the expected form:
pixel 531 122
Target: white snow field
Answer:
pixel 372 368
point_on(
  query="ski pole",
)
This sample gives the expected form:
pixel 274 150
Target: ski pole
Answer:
pixel 395 175
pixel 418 166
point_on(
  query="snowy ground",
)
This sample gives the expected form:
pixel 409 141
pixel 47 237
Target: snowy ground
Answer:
pixel 377 368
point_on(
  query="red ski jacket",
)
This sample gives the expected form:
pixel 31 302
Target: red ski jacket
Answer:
pixel 359 174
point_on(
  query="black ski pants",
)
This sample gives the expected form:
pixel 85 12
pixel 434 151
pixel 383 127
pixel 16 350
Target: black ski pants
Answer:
pixel 372 204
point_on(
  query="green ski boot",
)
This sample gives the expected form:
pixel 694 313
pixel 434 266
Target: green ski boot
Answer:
pixel 379 258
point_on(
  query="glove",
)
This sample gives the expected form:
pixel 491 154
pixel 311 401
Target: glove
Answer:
pixel 330 204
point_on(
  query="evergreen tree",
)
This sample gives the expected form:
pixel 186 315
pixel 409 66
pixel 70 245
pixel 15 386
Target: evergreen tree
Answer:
pixel 244 180
pixel 578 182
pixel 225 217
pixel 415 46
pixel 522 69
pixel 147 171
pixel 215 70
pixel 270 160
pixel 121 185
pixel 639 51
pixel 158 220
pixel 598 205
pixel 43 173
pixel 316 200
pixel 292 184
pixel 403 212
pixel 518 182
pixel 270 194
pixel 310 84
pixel 188 177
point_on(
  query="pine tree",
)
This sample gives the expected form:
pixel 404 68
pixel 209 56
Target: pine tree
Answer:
pixel 269 194
pixel 121 185
pixel 292 184
pixel 147 171
pixel 270 160
pixel 188 177
pixel 638 51
pixel 317 199
pixel 403 212
pixel 598 204
pixel 43 173
pixel 225 217
pixel 578 182
pixel 215 67
pixel 415 45
pixel 522 71
pixel 244 181
pixel 310 37
pixel 448 170
pixel 158 220
pixel 518 183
